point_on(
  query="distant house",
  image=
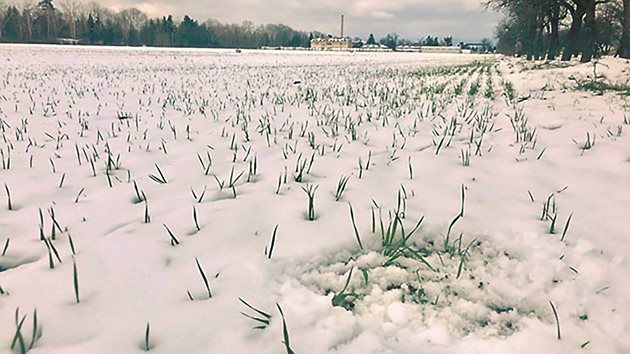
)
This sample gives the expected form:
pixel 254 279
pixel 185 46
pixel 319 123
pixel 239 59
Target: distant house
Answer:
pixel 70 41
pixel 331 43
pixel 474 47
pixel 428 49
pixel 409 48
pixel 374 48
pixel 443 50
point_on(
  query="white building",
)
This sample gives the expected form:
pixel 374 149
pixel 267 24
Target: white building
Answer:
pixel 444 50
pixel 331 43
pixel 373 48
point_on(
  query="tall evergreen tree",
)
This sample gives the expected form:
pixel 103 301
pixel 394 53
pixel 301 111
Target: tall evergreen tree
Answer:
pixel 390 41
pixel 46 18
pixel 91 28
pixel 371 40
pixel 11 25
pixel 3 17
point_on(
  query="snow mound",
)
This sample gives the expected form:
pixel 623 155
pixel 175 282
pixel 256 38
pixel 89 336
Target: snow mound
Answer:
pixel 477 285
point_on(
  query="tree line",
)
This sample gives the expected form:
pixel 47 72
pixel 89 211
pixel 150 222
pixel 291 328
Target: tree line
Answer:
pixel 540 29
pixel 392 40
pixel 45 22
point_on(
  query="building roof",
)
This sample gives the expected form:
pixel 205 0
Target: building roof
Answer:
pixel 332 39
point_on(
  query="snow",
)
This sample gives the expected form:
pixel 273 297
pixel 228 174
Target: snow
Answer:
pixel 183 105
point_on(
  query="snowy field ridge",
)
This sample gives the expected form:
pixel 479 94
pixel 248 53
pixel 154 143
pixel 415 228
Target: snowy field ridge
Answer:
pixel 204 201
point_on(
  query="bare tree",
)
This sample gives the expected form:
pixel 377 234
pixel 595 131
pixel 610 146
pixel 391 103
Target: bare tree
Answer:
pixel 28 16
pixel 98 11
pixel 131 20
pixel 3 16
pixel 536 26
pixel 583 30
pixel 528 20
pixel 590 30
pixel 70 10
pixel 555 16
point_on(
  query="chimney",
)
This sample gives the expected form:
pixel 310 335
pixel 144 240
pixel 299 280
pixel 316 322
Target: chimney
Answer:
pixel 341 25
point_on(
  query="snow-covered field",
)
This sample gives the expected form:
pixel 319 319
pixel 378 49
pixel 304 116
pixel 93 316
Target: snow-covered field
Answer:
pixel 458 201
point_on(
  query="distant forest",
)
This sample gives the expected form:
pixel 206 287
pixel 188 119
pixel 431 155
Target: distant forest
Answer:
pixel 47 22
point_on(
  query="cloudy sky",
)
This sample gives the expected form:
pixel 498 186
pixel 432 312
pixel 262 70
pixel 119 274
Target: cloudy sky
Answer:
pixel 464 19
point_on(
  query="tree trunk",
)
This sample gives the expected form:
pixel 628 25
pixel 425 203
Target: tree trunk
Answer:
pixel 2 23
pixel 28 22
pixel 624 46
pixel 554 36
pixel 29 29
pixel 539 47
pixel 590 33
pixel 47 24
pixel 20 30
pixel 530 31
pixel 573 41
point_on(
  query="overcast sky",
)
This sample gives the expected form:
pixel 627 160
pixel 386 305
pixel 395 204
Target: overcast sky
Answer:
pixel 464 19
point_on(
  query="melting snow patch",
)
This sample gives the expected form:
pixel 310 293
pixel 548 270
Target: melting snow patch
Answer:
pixel 458 290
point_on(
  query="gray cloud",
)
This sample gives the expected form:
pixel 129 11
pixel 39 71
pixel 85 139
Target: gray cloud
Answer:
pixel 464 19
